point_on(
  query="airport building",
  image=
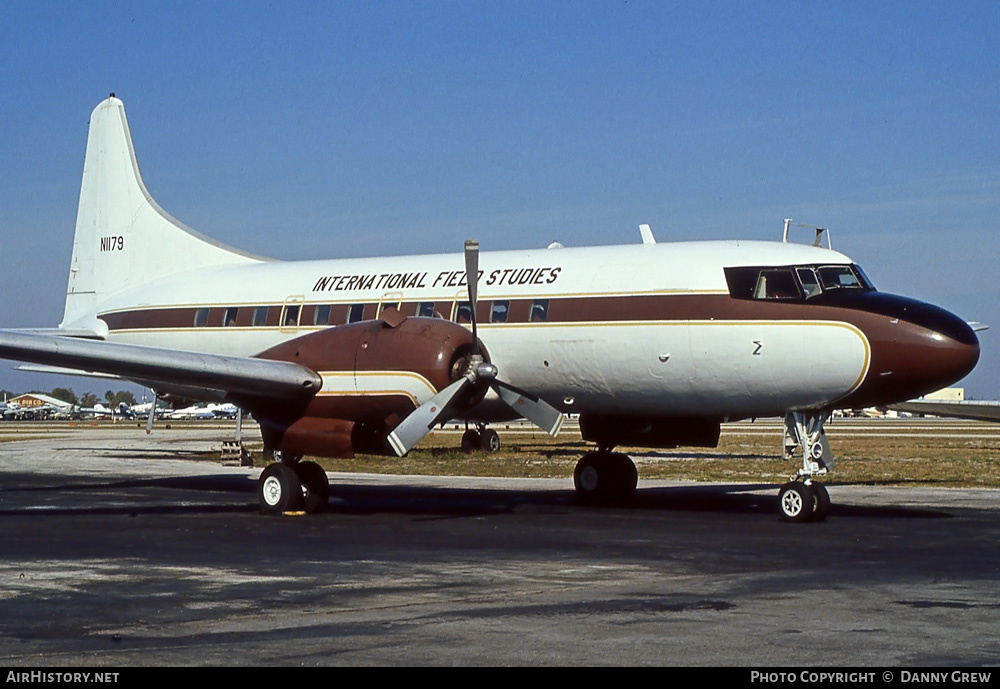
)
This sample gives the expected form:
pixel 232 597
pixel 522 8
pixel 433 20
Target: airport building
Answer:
pixel 34 400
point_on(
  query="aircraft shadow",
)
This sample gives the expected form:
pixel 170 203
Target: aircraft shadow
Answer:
pixel 425 501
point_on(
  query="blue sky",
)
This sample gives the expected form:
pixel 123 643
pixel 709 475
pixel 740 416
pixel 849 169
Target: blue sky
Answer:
pixel 303 130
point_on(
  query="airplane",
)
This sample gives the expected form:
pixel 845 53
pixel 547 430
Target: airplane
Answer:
pixel 193 413
pixel 224 411
pixel 652 345
pixel 974 410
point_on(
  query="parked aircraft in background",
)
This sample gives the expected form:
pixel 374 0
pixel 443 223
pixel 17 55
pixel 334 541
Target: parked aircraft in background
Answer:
pixel 653 345
pixel 194 412
pixel 976 410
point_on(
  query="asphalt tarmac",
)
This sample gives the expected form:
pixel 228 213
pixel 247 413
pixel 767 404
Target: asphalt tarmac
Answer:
pixel 118 549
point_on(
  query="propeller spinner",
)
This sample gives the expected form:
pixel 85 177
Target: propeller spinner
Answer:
pixel 478 371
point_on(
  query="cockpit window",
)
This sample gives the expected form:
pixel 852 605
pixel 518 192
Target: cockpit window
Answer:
pixel 839 277
pixel 794 283
pixel 862 277
pixel 778 283
pixel 809 281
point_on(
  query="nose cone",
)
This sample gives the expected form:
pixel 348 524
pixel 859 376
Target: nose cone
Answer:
pixel 916 348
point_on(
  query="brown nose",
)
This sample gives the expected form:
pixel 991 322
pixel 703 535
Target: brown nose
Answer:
pixel 916 348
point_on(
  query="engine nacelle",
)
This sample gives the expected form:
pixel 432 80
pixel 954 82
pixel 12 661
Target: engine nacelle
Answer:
pixel 374 374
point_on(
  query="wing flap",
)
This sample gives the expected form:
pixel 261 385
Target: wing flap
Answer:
pixel 166 367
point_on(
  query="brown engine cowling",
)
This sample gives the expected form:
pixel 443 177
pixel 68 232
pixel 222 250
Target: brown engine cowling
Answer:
pixel 340 423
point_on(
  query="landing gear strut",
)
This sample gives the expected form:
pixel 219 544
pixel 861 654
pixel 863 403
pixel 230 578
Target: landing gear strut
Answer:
pixel 290 485
pixel 803 499
pixel 605 477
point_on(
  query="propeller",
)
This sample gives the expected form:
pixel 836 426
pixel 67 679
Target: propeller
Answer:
pixel 478 372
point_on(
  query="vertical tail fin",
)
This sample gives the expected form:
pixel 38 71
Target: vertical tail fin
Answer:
pixel 123 238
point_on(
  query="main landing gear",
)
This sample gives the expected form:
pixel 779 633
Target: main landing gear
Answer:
pixel 605 477
pixel 291 485
pixel 803 499
pixel 480 438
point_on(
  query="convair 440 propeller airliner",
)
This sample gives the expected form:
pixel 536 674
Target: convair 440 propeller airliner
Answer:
pixel 652 345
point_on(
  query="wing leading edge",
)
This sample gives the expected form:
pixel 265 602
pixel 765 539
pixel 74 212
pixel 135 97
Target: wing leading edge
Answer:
pixel 209 376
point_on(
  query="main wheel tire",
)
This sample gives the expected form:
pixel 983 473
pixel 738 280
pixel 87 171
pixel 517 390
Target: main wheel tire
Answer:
pixel 471 442
pixel 625 477
pixel 490 440
pixel 590 477
pixel 796 502
pixel 279 489
pixel 605 478
pixel 315 487
pixel 821 505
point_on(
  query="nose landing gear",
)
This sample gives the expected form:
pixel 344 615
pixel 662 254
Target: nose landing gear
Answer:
pixel 803 499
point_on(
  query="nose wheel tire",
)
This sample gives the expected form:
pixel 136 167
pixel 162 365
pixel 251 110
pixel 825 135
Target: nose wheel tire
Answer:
pixel 821 507
pixel 798 502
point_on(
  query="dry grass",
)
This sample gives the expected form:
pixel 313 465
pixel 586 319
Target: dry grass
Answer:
pixel 876 452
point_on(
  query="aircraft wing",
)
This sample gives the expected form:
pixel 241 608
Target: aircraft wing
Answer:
pixel 977 410
pixel 209 376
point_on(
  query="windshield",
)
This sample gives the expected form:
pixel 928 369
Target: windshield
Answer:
pixel 839 277
pixel 794 283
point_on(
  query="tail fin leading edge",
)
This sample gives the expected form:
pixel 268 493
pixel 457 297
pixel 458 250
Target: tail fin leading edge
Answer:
pixel 123 238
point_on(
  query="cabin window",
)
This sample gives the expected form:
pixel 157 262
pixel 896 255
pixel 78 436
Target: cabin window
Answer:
pixel 229 317
pixel 539 311
pixel 200 318
pixel 290 315
pixel 355 313
pixel 321 316
pixel 259 316
pixel 425 309
pixel 388 305
pixel 463 312
pixel 500 310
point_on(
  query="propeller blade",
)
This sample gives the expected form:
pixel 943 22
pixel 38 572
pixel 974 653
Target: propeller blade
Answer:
pixel 414 427
pixel 535 410
pixel 472 269
pixel 472 279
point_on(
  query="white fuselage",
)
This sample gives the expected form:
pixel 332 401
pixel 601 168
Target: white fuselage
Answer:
pixel 643 362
